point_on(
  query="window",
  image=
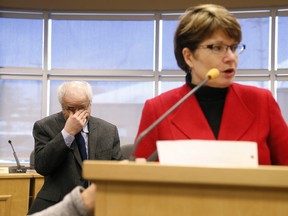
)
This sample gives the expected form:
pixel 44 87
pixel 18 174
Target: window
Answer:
pixel 21 42
pixel 102 44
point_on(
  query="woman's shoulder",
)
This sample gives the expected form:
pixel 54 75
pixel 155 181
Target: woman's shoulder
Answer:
pixel 167 99
pixel 252 93
pixel 249 89
pixel 173 94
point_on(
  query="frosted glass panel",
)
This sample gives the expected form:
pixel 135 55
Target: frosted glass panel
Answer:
pixel 282 43
pixel 20 108
pixel 168 58
pixel 21 42
pixel 102 44
pixel 256 38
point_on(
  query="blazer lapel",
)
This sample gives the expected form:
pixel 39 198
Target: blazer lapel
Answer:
pixel 236 118
pixel 190 120
pixel 76 152
pixel 92 138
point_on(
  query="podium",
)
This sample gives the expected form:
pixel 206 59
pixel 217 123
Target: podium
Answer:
pixel 147 189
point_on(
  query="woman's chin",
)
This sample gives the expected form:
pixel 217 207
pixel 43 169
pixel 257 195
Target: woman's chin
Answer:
pixel 221 83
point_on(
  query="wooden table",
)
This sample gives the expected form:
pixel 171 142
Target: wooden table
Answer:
pixel 17 192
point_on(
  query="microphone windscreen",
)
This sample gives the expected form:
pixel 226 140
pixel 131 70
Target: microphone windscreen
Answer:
pixel 213 73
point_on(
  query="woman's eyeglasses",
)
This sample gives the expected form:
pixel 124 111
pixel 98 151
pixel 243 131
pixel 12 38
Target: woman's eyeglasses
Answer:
pixel 221 49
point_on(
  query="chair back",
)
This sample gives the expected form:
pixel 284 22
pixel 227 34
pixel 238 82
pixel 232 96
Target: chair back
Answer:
pixel 126 150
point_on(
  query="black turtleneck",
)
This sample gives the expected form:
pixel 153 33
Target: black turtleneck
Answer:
pixel 211 101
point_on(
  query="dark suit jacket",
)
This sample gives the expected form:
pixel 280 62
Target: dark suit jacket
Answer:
pixel 60 165
pixel 250 114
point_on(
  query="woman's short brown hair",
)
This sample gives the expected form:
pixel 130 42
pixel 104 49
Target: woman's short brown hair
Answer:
pixel 199 23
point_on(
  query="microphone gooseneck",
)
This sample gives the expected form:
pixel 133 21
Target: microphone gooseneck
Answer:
pixel 211 74
pixel 18 168
pixel 10 142
pixel 15 156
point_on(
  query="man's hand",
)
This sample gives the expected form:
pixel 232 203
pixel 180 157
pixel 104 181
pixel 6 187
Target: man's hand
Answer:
pixel 76 121
pixel 88 196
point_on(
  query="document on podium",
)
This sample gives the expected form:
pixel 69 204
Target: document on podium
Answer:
pixel 208 153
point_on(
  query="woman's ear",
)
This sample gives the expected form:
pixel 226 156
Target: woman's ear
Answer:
pixel 188 56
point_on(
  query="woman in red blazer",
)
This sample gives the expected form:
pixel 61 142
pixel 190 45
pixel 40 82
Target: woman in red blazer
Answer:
pixel 208 36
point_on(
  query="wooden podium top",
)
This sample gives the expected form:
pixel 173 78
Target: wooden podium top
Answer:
pixel 262 176
pixel 149 188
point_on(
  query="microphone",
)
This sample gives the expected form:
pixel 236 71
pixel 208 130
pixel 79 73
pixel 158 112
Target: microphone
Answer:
pixel 211 74
pixel 18 168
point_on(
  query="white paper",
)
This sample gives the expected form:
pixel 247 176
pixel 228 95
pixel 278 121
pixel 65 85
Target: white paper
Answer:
pixel 208 153
pixel 4 170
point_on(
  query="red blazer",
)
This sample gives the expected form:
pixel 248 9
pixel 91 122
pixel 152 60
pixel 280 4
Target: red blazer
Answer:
pixel 250 114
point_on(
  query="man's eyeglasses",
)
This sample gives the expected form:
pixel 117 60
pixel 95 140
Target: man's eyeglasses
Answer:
pixel 221 49
pixel 74 109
